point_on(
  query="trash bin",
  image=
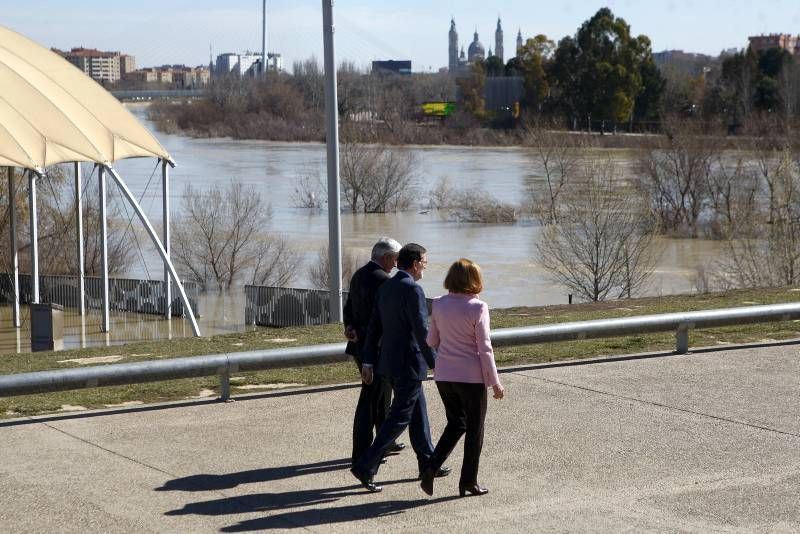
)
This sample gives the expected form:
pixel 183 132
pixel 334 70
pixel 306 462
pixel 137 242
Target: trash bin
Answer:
pixel 47 327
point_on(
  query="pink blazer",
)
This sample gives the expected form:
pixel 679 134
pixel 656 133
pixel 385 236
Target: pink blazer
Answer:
pixel 459 329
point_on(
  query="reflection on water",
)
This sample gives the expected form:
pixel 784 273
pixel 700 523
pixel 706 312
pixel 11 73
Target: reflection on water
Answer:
pixel 507 253
pixel 220 314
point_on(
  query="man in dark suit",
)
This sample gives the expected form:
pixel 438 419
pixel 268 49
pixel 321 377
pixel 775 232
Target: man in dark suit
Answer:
pixel 373 402
pixel 400 322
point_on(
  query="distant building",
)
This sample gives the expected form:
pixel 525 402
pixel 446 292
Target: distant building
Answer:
pixel 458 63
pixel 100 66
pixel 498 41
pixel 226 64
pixel 392 66
pixel 127 64
pixel 143 75
pixel 190 77
pixel 274 62
pixel 790 43
pixel 247 64
pixel 164 75
pixel 502 94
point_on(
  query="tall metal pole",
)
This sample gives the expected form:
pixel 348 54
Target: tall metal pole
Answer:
pixel 79 230
pixel 34 223
pixel 12 210
pixel 332 113
pixel 165 221
pixel 264 62
pixel 104 325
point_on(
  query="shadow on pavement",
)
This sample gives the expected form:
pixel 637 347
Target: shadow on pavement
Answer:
pixel 264 502
pixel 327 516
pixel 206 482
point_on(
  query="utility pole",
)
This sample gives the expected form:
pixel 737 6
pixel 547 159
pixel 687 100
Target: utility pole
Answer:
pixel 264 62
pixel 332 137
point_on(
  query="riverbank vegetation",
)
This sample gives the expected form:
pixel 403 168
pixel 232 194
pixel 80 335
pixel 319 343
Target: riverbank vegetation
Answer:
pixel 270 338
pixel 604 79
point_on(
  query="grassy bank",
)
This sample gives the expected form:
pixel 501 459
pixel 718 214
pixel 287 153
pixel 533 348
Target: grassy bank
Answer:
pixel 265 338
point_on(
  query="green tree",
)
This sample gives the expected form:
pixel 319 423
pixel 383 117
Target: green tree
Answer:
pixel 472 88
pixel 599 72
pixel 494 66
pixel 533 58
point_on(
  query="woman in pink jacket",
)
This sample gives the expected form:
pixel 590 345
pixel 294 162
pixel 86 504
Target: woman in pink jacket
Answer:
pixel 465 368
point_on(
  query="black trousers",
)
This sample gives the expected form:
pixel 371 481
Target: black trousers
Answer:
pixel 465 406
pixel 371 412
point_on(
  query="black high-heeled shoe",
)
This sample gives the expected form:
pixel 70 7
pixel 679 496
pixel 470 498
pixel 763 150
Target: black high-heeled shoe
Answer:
pixel 472 489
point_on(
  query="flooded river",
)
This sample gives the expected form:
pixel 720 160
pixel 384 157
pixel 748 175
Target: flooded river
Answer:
pixel 507 253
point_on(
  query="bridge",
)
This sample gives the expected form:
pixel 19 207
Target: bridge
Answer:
pixel 704 441
pixel 133 95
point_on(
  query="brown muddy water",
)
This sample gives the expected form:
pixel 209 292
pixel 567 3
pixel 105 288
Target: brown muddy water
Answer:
pixel 506 253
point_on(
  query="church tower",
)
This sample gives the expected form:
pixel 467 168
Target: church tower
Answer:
pixel 452 49
pixel 519 40
pixel 498 41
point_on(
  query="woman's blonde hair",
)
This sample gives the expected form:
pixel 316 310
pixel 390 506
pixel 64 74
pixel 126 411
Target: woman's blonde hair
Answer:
pixel 464 276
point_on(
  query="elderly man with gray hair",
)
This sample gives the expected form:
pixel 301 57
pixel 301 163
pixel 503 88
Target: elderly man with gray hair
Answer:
pixel 375 398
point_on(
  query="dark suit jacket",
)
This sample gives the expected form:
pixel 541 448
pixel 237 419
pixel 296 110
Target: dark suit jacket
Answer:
pixel 400 322
pixel 360 303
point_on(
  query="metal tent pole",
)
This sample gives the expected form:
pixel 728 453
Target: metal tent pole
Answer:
pixel 104 325
pixel 12 211
pixel 157 242
pixel 34 223
pixel 167 246
pixel 79 236
pixel 332 137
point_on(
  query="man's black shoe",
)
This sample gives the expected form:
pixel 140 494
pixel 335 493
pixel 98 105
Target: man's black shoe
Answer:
pixel 441 472
pixel 395 448
pixel 366 481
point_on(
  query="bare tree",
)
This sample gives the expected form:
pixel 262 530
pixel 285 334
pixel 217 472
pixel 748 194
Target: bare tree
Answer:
pixel 310 192
pixel 733 193
pixel 219 237
pixel 559 155
pixel 377 179
pixel 676 178
pixel 441 196
pixel 57 232
pixel 601 244
pixel 767 252
pixel 478 206
pixel 319 272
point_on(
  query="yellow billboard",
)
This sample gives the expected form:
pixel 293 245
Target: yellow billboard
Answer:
pixel 438 109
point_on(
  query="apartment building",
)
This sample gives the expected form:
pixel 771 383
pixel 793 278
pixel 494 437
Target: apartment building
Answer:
pixel 100 66
pixel 790 43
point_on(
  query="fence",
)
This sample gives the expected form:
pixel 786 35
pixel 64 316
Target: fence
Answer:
pixel 125 294
pixel 226 364
pixel 284 306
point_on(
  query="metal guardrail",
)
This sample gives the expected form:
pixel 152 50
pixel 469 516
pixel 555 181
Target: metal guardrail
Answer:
pixel 226 364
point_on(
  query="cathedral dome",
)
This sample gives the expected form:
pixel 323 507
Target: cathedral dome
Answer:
pixel 476 50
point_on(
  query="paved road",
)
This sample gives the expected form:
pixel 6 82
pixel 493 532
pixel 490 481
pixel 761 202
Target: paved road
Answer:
pixel 703 442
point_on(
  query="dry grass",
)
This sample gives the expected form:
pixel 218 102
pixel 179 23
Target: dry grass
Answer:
pixel 263 338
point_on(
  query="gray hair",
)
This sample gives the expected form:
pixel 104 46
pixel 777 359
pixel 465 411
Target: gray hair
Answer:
pixel 384 246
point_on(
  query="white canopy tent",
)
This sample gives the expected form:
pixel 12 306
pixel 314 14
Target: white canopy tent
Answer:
pixel 50 113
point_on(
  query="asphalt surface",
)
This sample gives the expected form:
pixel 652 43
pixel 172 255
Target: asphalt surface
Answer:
pixel 704 442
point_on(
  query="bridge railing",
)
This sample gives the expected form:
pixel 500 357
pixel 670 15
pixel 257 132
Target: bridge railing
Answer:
pixel 226 364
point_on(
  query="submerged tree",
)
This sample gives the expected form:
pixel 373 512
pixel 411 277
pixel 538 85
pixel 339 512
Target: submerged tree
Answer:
pixel 601 245
pixel 220 238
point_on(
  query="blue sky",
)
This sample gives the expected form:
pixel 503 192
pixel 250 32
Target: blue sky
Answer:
pixel 180 31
